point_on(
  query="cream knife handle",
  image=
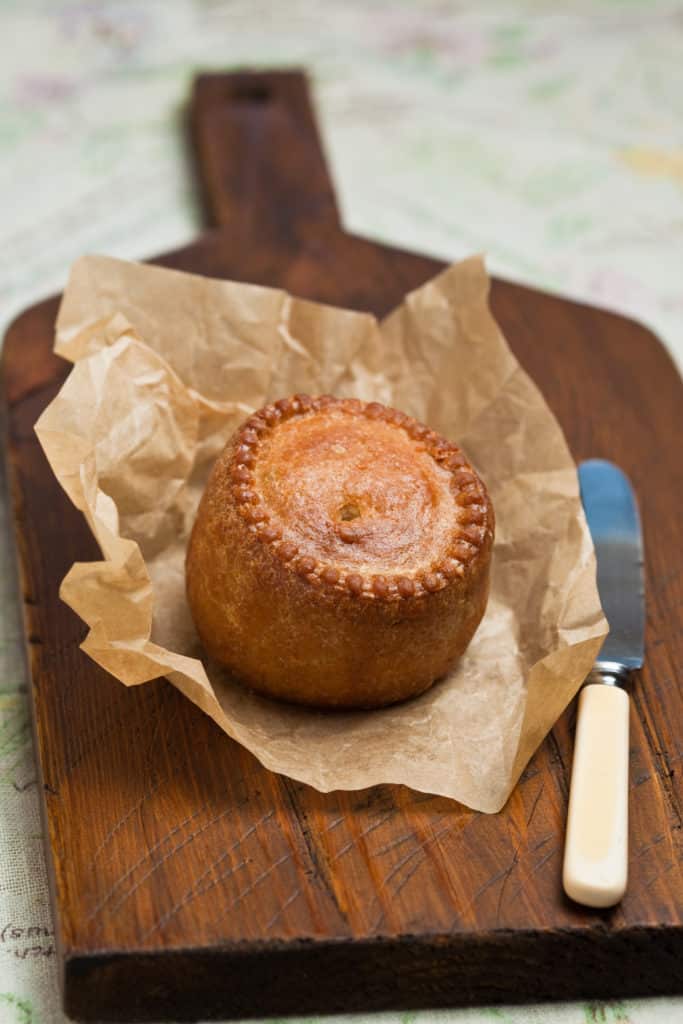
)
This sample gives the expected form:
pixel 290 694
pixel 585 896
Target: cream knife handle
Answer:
pixel 596 846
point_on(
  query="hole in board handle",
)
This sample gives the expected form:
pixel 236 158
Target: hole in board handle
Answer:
pixel 255 94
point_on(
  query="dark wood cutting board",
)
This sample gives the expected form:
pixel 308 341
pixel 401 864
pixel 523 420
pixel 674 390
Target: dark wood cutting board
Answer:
pixel 189 882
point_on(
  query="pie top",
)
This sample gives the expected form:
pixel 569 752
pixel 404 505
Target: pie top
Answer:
pixel 359 497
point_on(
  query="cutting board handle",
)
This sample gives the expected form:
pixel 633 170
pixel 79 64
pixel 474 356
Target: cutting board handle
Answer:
pixel 260 158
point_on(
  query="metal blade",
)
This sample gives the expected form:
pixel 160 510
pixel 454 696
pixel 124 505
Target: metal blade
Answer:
pixel 612 514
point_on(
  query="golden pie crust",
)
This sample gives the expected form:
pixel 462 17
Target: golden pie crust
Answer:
pixel 340 556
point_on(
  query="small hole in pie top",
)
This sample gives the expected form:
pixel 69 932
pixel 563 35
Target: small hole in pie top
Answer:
pixel 348 512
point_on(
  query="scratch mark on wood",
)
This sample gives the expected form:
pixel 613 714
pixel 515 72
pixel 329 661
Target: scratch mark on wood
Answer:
pixel 376 824
pixel 361 835
pixel 659 754
pixel 487 885
pixel 197 889
pixel 648 846
pixel 397 867
pixel 155 867
pixel 397 842
pixel 125 818
pixel 133 868
pixel 546 857
pixel 660 874
pixel 257 881
pixel 419 849
pixel 506 877
pixel 535 868
pixel 408 875
pixel 345 849
pixel 335 824
pixel 535 803
pixel 557 759
pixel 290 899
pixel 159 781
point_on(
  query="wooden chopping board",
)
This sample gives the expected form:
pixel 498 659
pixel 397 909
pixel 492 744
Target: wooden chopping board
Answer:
pixel 189 882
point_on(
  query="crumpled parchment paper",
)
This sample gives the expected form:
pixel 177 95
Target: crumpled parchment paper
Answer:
pixel 167 364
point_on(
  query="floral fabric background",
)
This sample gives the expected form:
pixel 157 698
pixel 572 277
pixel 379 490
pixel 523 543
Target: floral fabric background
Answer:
pixel 546 135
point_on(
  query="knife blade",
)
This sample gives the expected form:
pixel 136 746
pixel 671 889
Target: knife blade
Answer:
pixel 612 513
pixel 596 845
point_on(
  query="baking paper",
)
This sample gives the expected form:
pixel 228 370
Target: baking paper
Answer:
pixel 167 364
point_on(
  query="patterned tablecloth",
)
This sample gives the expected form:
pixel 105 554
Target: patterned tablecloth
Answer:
pixel 547 135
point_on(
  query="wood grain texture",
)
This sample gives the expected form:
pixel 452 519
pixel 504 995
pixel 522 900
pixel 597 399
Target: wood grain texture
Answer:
pixel 189 882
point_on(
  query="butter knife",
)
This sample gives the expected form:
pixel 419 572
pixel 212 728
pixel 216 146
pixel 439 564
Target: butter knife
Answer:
pixel 596 845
